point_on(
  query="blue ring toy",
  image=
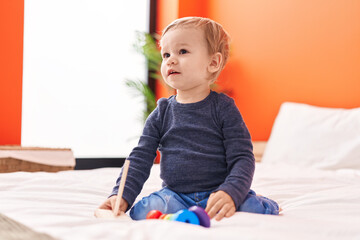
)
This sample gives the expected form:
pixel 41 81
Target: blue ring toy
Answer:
pixel 186 216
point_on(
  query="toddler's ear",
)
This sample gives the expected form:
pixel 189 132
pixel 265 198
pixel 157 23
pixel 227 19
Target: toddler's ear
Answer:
pixel 215 62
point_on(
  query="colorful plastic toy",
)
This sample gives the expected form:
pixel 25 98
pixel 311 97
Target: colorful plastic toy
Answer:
pixel 186 216
pixel 153 214
pixel 194 215
pixel 202 215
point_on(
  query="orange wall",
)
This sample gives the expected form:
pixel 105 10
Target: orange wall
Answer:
pixel 11 52
pixel 300 51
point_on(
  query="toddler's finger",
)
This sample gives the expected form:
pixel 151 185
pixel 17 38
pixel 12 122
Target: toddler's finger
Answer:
pixel 226 208
pixel 113 202
pixel 105 206
pixel 230 213
pixel 213 211
pixel 220 215
pixel 210 203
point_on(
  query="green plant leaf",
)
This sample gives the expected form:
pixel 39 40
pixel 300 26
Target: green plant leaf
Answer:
pixel 144 90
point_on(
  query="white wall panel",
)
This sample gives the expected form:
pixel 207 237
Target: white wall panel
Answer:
pixel 77 55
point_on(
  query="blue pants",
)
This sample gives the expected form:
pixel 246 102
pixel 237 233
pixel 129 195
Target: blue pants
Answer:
pixel 168 201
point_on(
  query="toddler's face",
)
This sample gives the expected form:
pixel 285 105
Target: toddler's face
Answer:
pixel 185 59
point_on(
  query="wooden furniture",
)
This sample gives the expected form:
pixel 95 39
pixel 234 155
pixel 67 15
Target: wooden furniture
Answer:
pixel 258 149
pixel 33 159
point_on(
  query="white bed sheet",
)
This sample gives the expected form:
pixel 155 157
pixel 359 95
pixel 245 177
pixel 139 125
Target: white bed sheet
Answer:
pixel 317 204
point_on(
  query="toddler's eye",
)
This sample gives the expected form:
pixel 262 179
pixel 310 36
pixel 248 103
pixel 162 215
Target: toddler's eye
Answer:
pixel 166 55
pixel 183 51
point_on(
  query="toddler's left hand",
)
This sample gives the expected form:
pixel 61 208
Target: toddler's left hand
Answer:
pixel 221 205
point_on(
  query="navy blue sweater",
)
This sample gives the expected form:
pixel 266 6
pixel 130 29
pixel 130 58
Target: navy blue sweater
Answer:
pixel 205 146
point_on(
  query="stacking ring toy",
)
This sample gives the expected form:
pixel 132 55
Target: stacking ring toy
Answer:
pixel 169 217
pixel 194 215
pixel 153 214
pixel 202 215
pixel 186 216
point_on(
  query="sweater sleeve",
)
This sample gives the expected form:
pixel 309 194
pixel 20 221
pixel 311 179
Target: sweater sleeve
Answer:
pixel 239 153
pixel 142 157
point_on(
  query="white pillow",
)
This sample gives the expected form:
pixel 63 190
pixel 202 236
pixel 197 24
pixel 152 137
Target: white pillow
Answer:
pixel 309 136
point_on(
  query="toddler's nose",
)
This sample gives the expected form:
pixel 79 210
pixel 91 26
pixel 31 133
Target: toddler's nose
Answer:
pixel 172 60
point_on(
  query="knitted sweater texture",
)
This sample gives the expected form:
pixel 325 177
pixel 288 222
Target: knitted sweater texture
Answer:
pixel 205 146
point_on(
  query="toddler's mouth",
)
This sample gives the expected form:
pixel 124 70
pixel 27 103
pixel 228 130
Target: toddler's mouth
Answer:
pixel 172 72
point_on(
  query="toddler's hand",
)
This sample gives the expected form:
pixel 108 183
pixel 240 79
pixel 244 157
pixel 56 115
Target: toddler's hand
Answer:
pixel 109 204
pixel 220 204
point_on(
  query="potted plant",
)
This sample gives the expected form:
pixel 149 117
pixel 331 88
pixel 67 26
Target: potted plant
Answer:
pixel 146 44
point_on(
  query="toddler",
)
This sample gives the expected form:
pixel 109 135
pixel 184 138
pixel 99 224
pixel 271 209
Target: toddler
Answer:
pixel 206 149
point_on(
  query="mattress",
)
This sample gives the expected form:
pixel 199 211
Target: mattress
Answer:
pixel 316 204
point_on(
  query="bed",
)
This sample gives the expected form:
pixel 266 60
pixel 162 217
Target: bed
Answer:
pixel 310 166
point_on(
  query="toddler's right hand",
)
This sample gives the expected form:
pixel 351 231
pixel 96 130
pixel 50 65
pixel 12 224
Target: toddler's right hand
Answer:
pixel 109 204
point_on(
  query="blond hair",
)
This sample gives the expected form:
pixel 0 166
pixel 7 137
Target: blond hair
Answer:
pixel 218 40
